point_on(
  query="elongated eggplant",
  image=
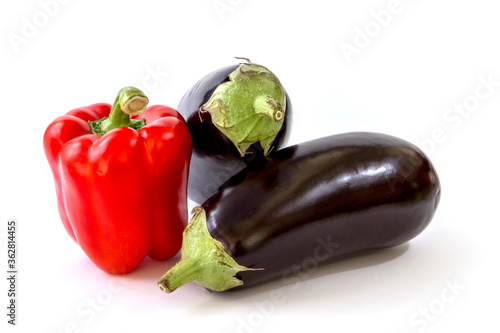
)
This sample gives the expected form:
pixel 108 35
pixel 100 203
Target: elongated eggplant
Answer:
pixel 235 115
pixel 307 204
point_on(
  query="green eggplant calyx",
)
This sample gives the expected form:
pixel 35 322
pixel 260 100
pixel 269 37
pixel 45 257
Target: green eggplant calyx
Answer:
pixel 204 260
pixel 248 108
pixel 129 102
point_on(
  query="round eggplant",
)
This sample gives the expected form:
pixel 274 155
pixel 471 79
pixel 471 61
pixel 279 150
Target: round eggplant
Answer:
pixel 236 115
pixel 308 204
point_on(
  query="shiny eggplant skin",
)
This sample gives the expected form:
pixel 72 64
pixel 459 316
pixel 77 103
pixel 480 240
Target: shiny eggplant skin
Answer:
pixel 321 200
pixel 215 158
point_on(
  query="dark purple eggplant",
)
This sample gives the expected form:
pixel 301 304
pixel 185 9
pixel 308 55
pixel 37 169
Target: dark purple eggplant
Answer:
pixel 308 204
pixel 236 114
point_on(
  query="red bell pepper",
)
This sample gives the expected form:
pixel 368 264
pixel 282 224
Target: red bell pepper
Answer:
pixel 121 181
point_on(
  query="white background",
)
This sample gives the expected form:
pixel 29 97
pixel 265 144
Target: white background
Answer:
pixel 347 66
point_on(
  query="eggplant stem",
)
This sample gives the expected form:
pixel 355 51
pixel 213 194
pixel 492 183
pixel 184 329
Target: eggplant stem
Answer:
pixel 204 260
pixel 243 58
pixel 249 108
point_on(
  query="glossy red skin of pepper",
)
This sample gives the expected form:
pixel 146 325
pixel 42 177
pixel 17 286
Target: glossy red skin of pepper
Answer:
pixel 121 196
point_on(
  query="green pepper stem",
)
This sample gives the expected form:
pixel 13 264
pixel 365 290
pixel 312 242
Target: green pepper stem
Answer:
pixel 204 260
pixel 130 101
